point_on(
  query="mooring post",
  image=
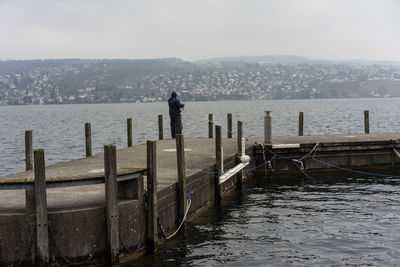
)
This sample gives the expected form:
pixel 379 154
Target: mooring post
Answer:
pixel 160 127
pixel 301 123
pixel 180 131
pixel 218 163
pixel 30 219
pixel 366 121
pixel 267 127
pixel 111 188
pixel 180 155
pixel 239 175
pixel 229 135
pixel 152 212
pixel 88 139
pixel 210 126
pixel 42 230
pixel 129 131
pixel 28 150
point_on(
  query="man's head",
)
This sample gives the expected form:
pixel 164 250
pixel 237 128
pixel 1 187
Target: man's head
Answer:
pixel 173 94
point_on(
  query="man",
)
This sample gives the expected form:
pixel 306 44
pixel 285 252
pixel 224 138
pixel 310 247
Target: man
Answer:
pixel 175 113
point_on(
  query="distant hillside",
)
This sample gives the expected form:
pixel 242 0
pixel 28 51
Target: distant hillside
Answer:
pixel 285 60
pixel 133 66
pixel 267 77
pixel 255 59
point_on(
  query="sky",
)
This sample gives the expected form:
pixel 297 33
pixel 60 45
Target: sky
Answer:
pixel 199 29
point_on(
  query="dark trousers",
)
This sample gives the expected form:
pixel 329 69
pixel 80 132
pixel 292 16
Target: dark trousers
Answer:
pixel 175 125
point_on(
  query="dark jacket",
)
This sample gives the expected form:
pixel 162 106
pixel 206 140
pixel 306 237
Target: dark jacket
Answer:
pixel 174 106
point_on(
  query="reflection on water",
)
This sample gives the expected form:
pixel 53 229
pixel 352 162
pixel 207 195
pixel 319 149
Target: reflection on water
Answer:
pixel 354 221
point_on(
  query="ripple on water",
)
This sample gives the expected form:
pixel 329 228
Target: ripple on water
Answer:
pixel 346 224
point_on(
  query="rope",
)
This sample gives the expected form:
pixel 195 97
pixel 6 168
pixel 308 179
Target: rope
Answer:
pixel 295 162
pixel 188 203
pixel 311 152
pixel 350 170
pixel 265 158
pixel 266 163
pixel 183 220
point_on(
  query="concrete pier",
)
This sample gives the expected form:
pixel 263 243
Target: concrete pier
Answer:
pixel 76 195
pixel 76 201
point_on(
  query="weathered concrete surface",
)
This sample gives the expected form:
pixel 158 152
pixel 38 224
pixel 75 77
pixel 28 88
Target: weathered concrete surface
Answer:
pixel 200 154
pixel 76 214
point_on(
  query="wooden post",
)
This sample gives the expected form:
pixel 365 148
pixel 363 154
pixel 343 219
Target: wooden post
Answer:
pixel 160 128
pixel 210 126
pixel 180 130
pixel 30 219
pixel 301 122
pixel 366 121
pixel 229 135
pixel 239 175
pixel 218 162
pixel 267 127
pixel 42 230
pixel 152 212
pixel 110 180
pixel 180 154
pixel 129 131
pixel 88 139
pixel 28 150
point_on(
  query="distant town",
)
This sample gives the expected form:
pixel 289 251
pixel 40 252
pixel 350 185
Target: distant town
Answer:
pixel 125 81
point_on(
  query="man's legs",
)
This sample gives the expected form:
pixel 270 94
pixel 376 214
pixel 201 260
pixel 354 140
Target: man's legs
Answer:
pixel 173 125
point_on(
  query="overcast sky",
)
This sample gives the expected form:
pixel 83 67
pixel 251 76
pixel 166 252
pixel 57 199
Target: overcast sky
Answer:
pixel 319 29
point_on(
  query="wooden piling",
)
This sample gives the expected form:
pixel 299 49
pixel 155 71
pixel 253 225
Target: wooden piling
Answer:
pixel 218 162
pixel 267 127
pixel 42 231
pixel 239 175
pixel 366 121
pixel 180 154
pixel 180 130
pixel 129 131
pixel 28 150
pixel 88 139
pixel 30 219
pixel 210 126
pixel 301 123
pixel 111 189
pixel 152 212
pixel 229 117
pixel 160 127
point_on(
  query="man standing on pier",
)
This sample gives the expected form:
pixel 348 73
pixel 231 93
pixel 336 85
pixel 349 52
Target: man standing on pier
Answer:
pixel 175 113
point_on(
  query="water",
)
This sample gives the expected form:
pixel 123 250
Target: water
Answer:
pixel 353 222
pixel 59 129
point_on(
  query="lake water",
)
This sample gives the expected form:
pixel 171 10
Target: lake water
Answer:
pixel 59 129
pixel 353 222
pixel 293 222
